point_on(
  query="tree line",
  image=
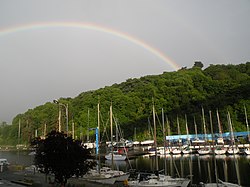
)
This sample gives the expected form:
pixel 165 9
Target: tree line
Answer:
pixel 224 88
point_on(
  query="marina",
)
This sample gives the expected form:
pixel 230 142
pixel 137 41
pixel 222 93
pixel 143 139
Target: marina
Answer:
pixel 198 168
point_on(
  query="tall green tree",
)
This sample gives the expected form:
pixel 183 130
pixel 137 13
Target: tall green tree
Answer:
pixel 198 64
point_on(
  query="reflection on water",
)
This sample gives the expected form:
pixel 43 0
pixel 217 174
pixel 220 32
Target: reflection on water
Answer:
pixel 235 169
pixel 18 157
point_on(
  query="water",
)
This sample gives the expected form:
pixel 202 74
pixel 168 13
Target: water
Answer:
pixel 235 169
pixel 18 157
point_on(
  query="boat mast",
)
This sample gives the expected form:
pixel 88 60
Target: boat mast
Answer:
pixel 231 129
pixel 204 124
pixel 169 145
pixel 19 131
pixel 219 124
pixel 111 134
pixel 179 131
pixel 45 130
pixel 188 139
pixel 135 134
pixel 73 130
pixel 164 140
pixel 168 128
pixel 248 136
pixel 155 140
pixel 88 127
pixel 98 120
pixel 98 126
pixel 233 144
pixel 59 119
pixel 195 129
pixel 215 165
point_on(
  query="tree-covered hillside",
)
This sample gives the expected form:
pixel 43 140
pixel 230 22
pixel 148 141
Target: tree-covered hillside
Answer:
pixel 180 93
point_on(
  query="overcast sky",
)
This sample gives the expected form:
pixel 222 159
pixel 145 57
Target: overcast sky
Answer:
pixel 39 64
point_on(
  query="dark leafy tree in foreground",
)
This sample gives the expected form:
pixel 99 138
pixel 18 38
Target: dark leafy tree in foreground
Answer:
pixel 62 156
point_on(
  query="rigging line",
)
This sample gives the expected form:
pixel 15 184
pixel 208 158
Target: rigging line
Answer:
pixel 105 130
pixel 159 121
pixel 104 127
pixel 150 130
pixel 118 127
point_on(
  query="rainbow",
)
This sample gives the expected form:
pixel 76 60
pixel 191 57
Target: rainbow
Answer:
pixel 91 26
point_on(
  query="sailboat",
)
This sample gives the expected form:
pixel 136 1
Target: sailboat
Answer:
pixel 88 143
pixel 177 151
pixel 114 155
pixel 219 150
pixel 104 175
pixel 196 140
pixel 150 180
pixel 164 150
pixel 187 149
pixel 99 175
pixel 205 150
pixel 233 149
pixel 218 183
pixel 247 150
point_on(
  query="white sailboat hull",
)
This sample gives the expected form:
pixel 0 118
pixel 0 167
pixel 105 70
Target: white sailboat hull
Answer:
pixel 176 151
pixel 102 179
pixel 187 151
pixel 220 151
pixel 161 151
pixel 232 151
pixel 106 176
pixel 116 157
pixel 247 151
pixel 122 178
pixel 203 151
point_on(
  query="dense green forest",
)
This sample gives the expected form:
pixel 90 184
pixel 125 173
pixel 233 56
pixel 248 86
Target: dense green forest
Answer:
pixel 179 93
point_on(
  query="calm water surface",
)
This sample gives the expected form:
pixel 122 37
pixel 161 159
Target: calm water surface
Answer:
pixel 235 169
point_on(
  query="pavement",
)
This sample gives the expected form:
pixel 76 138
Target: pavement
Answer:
pixel 23 178
pixel 20 177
